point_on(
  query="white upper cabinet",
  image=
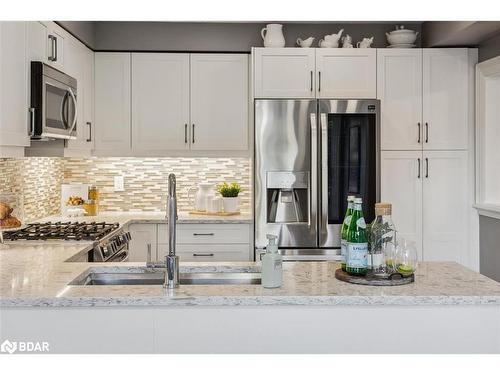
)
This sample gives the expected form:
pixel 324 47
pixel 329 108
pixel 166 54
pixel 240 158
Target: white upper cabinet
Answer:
pixel 284 72
pixel 445 98
pixel 88 99
pixel 112 99
pixel 346 73
pixel 401 184
pixel 76 66
pixel 160 102
pixel 219 102
pixel 55 46
pixel 399 88
pixel 445 213
pixel 13 87
pixel 37 41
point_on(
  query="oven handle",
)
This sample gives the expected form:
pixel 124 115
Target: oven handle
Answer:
pixel 76 110
pixel 121 256
pixel 324 172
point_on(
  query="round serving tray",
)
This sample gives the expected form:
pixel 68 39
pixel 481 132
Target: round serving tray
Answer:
pixel 396 279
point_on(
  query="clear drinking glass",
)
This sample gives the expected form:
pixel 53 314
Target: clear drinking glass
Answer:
pixel 406 257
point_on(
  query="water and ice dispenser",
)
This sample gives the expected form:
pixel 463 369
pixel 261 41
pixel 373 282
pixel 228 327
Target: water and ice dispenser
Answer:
pixel 287 197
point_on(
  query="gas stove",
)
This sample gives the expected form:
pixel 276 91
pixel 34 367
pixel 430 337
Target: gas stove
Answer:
pixel 110 241
pixel 69 231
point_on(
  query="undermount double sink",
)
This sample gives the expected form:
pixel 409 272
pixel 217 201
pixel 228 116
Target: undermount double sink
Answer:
pixel 145 276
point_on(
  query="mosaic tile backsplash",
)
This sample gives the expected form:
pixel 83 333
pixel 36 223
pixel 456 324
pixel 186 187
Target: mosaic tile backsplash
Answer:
pixel 38 180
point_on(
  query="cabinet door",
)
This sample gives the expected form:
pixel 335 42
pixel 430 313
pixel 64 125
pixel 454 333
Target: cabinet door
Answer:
pixel 112 102
pixel 88 99
pixel 346 73
pixel 160 101
pixel 446 203
pixel 162 245
pixel 399 88
pixel 284 72
pixel 75 67
pixel 13 84
pixel 37 42
pixel 401 184
pixel 142 235
pixel 219 102
pixel 446 98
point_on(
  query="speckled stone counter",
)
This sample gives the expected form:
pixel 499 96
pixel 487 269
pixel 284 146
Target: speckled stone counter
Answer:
pixel 37 275
pixel 126 218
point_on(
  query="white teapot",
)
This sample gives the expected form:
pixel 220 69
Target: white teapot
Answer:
pixel 331 40
pixel 365 43
pixel 273 36
pixel 306 43
pixel 347 41
pixel 199 200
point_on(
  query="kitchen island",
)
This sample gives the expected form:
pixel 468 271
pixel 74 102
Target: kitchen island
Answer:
pixel 449 309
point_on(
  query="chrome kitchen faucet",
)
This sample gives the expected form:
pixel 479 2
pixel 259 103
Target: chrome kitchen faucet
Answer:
pixel 171 260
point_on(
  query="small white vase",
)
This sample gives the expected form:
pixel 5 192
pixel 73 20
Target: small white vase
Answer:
pixel 230 204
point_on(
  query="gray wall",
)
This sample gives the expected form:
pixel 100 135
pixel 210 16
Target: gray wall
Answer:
pixel 212 36
pixel 83 30
pixel 489 48
pixel 489 247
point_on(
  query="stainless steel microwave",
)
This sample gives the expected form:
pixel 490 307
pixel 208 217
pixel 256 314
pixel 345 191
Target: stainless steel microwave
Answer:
pixel 53 110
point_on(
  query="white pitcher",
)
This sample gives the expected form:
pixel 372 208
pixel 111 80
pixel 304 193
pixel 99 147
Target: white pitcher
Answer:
pixel 272 35
pixel 199 200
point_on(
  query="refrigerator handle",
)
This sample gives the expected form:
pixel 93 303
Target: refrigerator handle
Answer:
pixel 324 172
pixel 313 192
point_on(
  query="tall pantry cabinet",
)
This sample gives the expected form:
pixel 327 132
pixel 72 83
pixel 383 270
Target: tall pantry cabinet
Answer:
pixel 426 142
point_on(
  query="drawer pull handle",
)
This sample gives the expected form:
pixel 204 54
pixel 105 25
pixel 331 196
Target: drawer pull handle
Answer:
pixel 203 255
pixel 203 234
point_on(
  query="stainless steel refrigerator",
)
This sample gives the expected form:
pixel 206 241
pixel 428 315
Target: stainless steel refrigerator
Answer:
pixel 309 156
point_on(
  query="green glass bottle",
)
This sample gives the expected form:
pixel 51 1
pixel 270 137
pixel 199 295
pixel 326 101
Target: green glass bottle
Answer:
pixel 357 242
pixel 345 228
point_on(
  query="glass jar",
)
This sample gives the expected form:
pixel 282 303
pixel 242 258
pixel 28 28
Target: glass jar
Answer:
pixel 93 193
pixel 382 242
pixel 90 207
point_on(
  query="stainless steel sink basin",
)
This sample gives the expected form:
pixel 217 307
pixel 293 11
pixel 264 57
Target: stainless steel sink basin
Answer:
pixel 157 278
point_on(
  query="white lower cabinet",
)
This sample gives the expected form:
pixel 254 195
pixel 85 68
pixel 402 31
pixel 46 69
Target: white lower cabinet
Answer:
pixel 430 198
pixel 401 185
pixel 141 236
pixel 446 205
pixel 195 242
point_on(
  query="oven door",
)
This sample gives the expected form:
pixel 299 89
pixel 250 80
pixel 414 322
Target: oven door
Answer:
pixel 59 110
pixel 350 165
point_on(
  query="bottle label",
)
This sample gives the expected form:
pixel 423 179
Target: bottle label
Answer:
pixel 343 250
pixel 347 220
pixel 357 254
pixel 361 223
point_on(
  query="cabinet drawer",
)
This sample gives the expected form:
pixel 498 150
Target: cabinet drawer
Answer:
pixel 213 234
pixel 214 253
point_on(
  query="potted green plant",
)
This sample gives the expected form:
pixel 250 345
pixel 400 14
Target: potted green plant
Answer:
pixel 229 195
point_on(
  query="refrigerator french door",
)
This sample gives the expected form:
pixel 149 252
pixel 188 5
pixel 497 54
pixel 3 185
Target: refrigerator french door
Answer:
pixel 309 156
pixel 349 162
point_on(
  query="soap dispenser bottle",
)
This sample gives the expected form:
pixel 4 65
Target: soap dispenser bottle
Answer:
pixel 272 264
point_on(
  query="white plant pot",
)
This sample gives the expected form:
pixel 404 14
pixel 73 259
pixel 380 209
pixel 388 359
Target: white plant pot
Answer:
pixel 230 204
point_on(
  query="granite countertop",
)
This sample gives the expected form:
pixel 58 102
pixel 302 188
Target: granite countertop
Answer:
pixel 125 218
pixel 37 275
